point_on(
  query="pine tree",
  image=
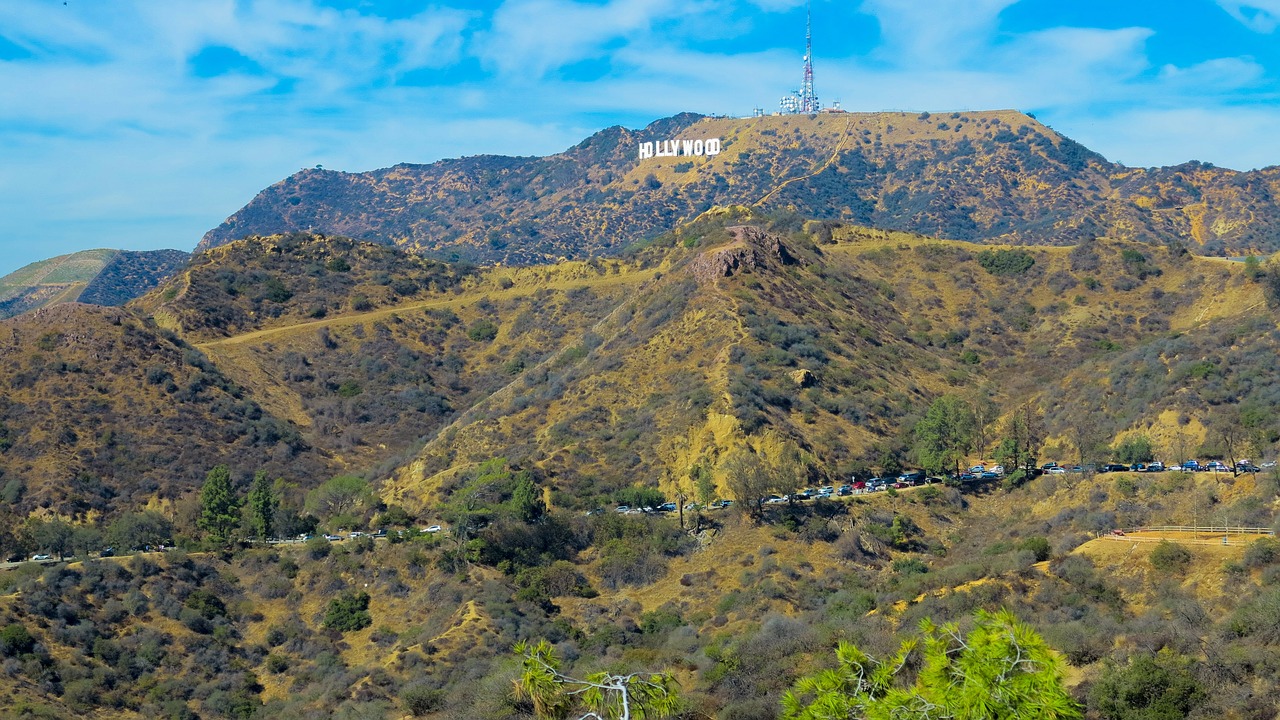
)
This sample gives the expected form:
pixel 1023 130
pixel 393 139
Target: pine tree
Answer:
pixel 945 434
pixel 219 505
pixel 526 499
pixel 1001 669
pixel 262 507
pixel 556 696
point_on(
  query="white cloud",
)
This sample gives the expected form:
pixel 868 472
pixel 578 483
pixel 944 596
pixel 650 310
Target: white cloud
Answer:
pixel 529 38
pixel 1240 138
pixel 1258 15
pixel 931 33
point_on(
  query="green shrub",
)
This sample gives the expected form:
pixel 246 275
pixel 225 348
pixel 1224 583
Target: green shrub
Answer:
pixel 419 700
pixel 207 604
pixel 15 640
pixel 1263 551
pixel 1148 688
pixel 1038 546
pixel 318 548
pixel 1135 449
pixel 277 664
pixel 1006 262
pixel 910 566
pixel 1170 557
pixel 482 330
pixel 348 612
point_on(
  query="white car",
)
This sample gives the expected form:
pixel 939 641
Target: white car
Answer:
pixel 432 529
pixel 41 556
pixel 999 469
pixel 1057 470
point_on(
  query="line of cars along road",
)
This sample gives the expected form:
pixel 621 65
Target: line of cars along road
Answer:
pixel 976 473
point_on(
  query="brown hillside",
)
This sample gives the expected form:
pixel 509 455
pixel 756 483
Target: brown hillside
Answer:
pixel 997 176
pixel 101 410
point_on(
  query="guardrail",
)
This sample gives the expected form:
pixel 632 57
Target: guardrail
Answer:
pixel 1217 534
pixel 1239 530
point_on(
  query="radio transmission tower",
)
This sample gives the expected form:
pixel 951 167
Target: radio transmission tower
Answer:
pixel 804 101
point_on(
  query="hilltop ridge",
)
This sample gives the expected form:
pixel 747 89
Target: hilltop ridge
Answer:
pixel 992 176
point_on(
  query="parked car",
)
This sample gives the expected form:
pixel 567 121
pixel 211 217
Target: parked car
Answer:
pixel 1215 466
pixel 1138 467
pixel 667 507
pixel 1245 466
pixel 774 500
pixel 1056 470
pixel 845 490
pixel 1155 466
pixel 433 529
pixel 1268 464
pixel 1191 466
pixel 1048 466
pixel 978 469
pixel 859 485
pixel 332 538
pixel 1113 467
pixel 998 469
pixel 40 557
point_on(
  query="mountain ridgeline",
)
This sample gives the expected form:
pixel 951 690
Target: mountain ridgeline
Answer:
pixel 996 176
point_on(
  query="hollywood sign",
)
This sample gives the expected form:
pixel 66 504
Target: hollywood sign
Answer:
pixel 677 148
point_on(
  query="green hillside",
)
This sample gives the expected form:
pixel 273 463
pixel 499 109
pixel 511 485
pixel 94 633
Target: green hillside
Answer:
pixel 48 282
pixel 98 277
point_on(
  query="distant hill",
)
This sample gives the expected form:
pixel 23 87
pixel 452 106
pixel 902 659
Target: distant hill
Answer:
pixel 98 277
pixel 996 176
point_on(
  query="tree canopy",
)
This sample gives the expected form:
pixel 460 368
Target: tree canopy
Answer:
pixel 944 436
pixel 605 696
pixel 1000 669
pixel 219 506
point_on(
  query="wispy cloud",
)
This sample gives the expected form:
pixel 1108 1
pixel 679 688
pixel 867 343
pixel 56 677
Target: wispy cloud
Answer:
pixel 142 124
pixel 1260 15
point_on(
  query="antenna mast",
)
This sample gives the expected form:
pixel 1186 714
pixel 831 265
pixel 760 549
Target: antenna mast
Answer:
pixel 804 101
pixel 808 100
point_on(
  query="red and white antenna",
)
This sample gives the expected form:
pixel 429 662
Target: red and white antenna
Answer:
pixel 804 101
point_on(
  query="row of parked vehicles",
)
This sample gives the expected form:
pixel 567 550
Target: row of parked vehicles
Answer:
pixel 1243 466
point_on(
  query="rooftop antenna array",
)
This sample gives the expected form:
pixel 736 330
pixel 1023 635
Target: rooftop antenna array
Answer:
pixel 803 101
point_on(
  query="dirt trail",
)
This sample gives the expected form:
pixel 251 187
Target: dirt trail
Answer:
pixel 471 296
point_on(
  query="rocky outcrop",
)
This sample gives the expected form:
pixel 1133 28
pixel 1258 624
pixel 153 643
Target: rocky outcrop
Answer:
pixel 752 248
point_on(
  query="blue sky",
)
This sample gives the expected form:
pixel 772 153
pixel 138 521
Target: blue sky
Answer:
pixel 142 123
